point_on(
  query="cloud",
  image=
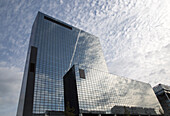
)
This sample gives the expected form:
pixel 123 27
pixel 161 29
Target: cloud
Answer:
pixel 10 85
pixel 135 36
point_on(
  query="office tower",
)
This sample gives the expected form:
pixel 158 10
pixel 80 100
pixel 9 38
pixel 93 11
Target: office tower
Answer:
pixel 163 94
pixel 94 92
pixel 54 47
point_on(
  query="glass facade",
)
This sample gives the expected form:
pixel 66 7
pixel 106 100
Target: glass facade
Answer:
pixel 59 46
pixel 99 92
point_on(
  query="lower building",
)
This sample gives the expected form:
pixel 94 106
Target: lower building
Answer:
pixel 163 94
pixel 89 91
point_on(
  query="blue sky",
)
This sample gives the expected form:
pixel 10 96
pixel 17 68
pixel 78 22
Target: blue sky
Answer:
pixel 135 36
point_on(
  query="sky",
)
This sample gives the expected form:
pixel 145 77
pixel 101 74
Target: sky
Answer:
pixel 134 34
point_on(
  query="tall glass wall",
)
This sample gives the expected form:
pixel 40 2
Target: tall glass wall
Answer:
pixel 59 46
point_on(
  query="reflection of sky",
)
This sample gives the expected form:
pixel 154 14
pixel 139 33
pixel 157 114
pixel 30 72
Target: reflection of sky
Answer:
pixel 101 91
pixel 134 34
pixel 56 47
pixel 89 53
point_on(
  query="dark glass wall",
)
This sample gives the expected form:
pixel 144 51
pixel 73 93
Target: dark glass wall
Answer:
pixel 21 103
pixel 70 93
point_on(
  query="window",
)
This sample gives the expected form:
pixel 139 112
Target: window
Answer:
pixel 82 74
pixel 59 23
pixel 32 67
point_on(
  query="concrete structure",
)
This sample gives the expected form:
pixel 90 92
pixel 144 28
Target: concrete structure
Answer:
pixel 163 94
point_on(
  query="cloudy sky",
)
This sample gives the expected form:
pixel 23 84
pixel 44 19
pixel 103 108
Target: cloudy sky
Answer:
pixel 135 36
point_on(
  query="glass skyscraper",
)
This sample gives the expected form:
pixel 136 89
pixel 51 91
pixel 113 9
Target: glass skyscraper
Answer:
pixel 57 46
pixel 54 48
